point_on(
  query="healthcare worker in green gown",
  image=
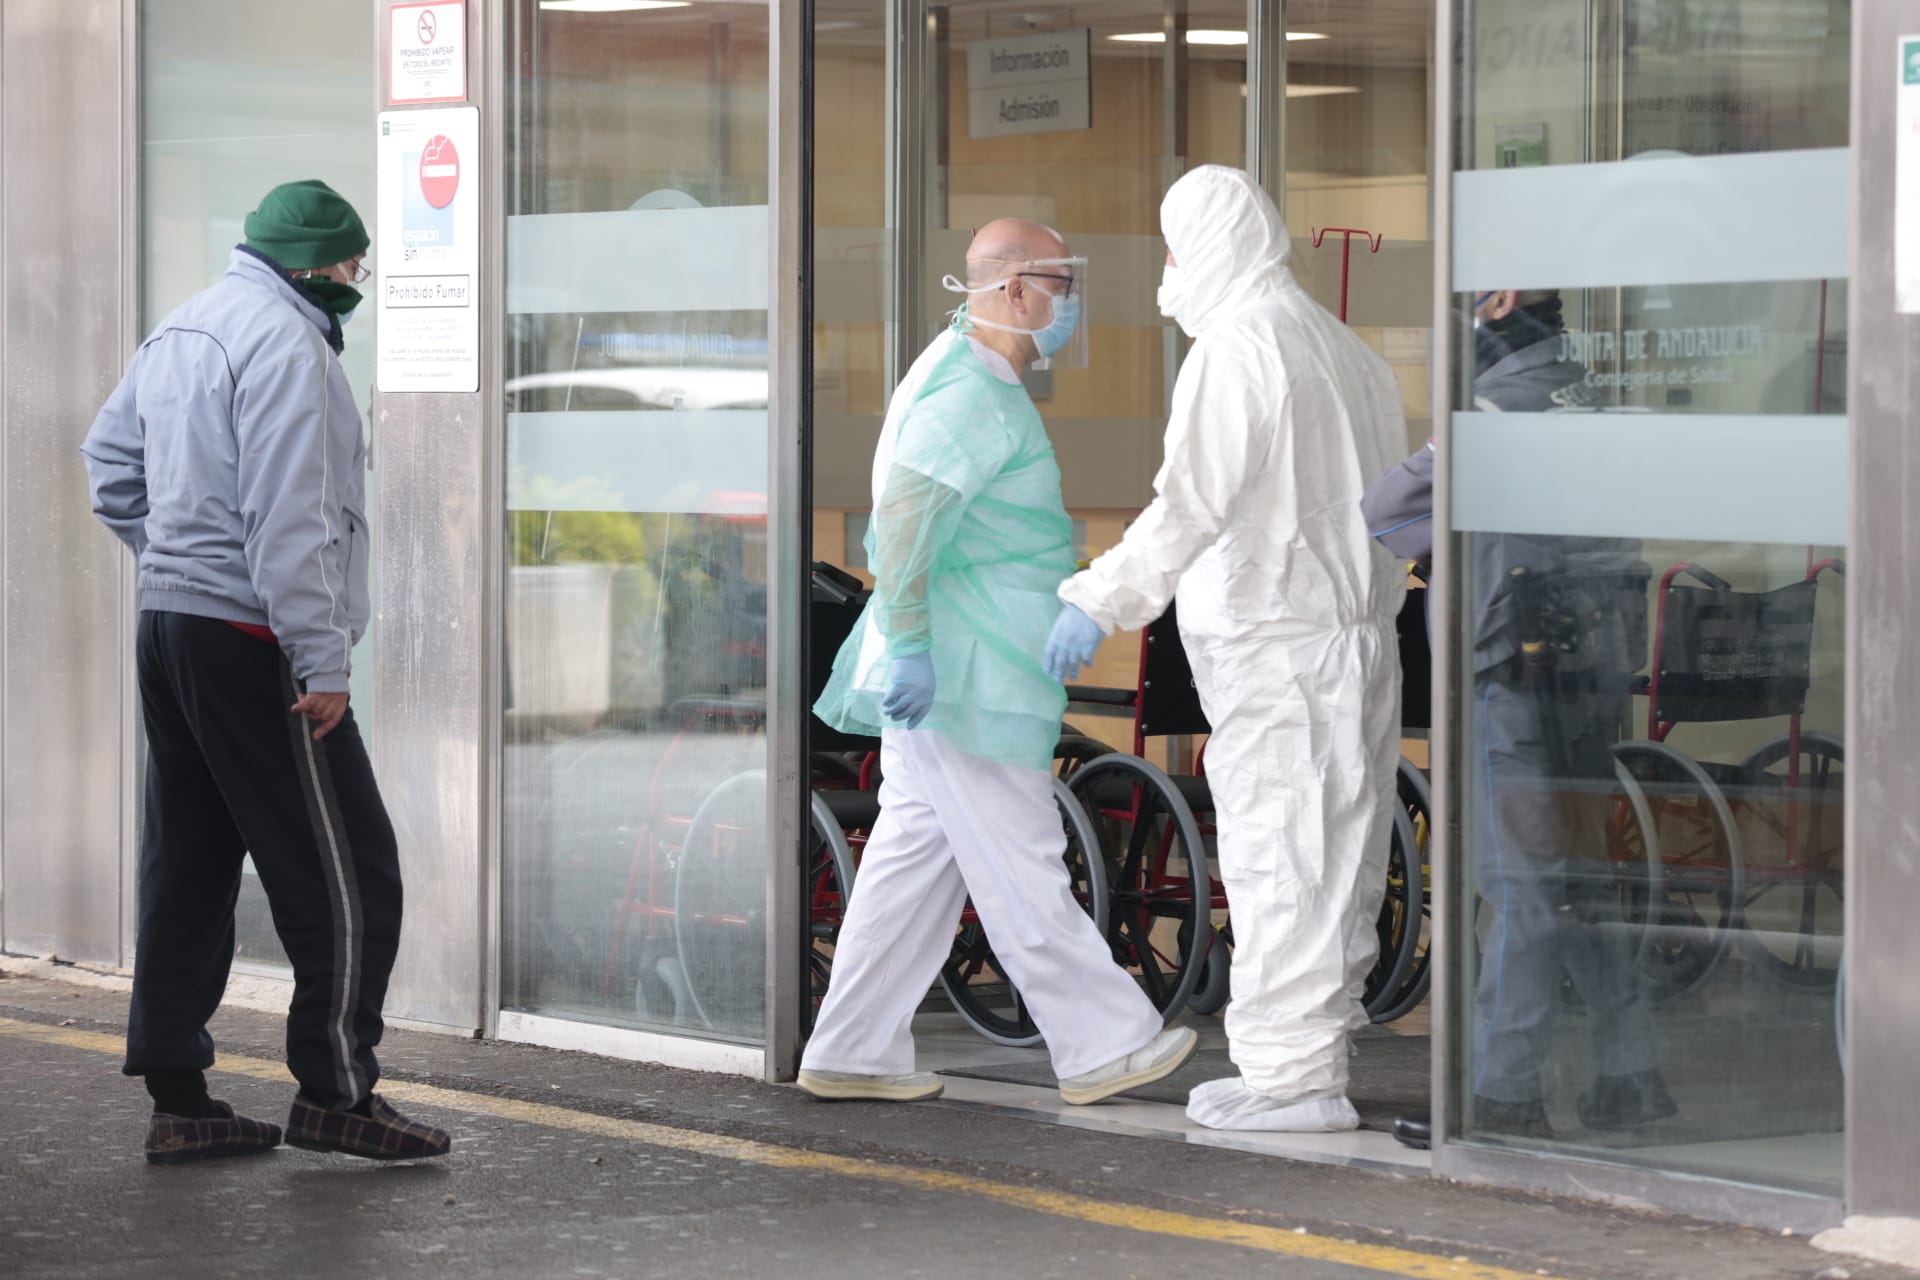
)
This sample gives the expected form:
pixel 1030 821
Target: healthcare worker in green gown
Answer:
pixel 969 543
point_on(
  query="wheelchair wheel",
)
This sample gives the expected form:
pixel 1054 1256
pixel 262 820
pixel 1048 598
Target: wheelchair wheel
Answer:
pixel 1402 918
pixel 972 978
pixel 1627 895
pixel 830 872
pixel 1074 750
pixel 720 910
pixel 1215 988
pixel 1686 894
pixel 1793 909
pixel 1840 1014
pixel 1416 802
pixel 1161 922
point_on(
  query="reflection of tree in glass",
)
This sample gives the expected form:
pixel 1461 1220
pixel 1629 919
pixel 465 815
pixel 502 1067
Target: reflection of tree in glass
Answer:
pixel 576 522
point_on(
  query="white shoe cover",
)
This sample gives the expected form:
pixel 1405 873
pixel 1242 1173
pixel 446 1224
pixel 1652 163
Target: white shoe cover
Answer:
pixel 1229 1104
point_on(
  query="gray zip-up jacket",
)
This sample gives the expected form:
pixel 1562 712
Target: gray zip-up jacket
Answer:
pixel 230 459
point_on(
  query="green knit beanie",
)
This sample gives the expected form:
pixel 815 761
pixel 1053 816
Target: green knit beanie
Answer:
pixel 304 225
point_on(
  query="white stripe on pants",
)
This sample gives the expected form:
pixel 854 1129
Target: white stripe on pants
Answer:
pixel 950 824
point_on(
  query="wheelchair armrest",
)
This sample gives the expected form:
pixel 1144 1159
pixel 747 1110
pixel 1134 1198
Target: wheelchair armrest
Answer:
pixel 1096 696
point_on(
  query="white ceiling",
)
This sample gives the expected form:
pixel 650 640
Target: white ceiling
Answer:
pixel 1383 33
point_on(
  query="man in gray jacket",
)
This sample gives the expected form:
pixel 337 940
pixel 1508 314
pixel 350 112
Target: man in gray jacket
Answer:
pixel 230 460
pixel 1560 624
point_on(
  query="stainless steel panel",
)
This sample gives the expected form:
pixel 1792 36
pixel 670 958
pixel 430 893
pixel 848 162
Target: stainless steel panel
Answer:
pixel 132 331
pixel 1448 959
pixel 1174 139
pixel 436 602
pixel 1267 96
pixel 1883 657
pixel 908 89
pixel 789 519
pixel 62 704
pixel 486 78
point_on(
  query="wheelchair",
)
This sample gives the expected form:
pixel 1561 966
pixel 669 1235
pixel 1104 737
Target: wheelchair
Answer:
pixel 1159 830
pixel 1724 656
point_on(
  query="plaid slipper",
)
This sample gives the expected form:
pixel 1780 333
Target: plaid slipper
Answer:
pixel 384 1135
pixel 179 1139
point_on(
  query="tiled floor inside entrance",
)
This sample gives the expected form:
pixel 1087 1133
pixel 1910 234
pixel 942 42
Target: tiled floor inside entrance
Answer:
pixel 1389 1075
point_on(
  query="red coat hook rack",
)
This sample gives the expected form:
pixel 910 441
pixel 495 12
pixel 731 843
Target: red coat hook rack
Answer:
pixel 1346 235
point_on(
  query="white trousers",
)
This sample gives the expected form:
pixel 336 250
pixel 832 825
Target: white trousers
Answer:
pixel 1306 736
pixel 951 824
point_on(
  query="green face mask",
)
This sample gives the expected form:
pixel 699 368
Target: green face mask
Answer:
pixel 340 299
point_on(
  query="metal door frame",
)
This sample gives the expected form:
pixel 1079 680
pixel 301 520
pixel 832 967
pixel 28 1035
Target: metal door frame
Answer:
pixel 789 517
pixel 1883 657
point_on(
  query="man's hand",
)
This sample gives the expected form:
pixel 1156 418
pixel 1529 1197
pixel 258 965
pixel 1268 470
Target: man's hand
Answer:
pixel 1075 639
pixel 326 710
pixel 911 687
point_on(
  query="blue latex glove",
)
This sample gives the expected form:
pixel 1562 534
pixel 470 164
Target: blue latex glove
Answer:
pixel 910 688
pixel 1075 639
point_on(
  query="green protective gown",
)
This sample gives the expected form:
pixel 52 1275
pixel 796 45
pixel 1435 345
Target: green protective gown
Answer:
pixel 968 544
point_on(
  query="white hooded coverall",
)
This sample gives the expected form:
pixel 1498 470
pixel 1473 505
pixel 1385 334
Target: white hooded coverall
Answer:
pixel 1281 417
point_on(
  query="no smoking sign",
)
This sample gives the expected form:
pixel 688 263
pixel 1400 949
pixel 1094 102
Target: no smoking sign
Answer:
pixel 427 242
pixel 428 52
pixel 439 171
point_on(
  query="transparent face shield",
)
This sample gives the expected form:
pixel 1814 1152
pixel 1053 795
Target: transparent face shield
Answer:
pixel 1062 340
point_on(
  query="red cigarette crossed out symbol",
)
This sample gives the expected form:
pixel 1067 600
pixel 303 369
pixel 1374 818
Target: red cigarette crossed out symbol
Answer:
pixel 427 26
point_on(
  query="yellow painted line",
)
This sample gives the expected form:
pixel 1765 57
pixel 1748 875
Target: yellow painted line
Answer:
pixel 1059 1204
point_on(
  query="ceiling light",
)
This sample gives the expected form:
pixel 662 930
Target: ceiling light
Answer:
pixel 1206 37
pixel 1319 90
pixel 611 6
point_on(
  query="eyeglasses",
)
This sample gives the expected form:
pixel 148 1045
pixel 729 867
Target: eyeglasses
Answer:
pixel 357 273
pixel 1044 275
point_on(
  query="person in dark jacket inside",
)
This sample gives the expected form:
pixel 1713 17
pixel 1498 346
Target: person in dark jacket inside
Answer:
pixel 1560 626
pixel 230 461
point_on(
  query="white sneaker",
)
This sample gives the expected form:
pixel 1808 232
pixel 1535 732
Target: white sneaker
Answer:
pixel 1165 1054
pixel 851 1086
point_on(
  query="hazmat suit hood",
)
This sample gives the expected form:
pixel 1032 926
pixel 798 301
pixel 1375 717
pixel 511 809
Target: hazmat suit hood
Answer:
pixel 1228 241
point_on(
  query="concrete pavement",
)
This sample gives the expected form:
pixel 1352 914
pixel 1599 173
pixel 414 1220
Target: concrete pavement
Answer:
pixel 566 1165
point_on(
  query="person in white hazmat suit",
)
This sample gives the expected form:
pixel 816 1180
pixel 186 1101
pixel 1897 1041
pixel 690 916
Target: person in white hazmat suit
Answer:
pixel 969 543
pixel 1281 416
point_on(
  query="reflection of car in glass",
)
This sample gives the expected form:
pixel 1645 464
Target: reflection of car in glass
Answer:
pixel 639 387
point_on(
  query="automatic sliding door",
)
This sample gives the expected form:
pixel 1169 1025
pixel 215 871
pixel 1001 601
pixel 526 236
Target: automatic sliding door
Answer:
pixel 1648 447
pixel 635 746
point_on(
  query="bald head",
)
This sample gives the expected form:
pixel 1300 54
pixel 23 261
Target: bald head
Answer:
pixel 1002 246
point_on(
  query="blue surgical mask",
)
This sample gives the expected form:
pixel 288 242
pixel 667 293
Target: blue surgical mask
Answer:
pixel 1059 330
pixel 1049 340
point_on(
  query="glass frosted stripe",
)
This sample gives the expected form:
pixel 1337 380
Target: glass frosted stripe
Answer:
pixel 1646 475
pixel 1780 215
pixel 689 462
pixel 638 260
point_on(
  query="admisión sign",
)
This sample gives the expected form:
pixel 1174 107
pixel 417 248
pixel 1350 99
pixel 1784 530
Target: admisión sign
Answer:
pixel 1029 84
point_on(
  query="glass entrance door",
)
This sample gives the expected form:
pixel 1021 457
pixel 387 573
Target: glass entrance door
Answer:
pixel 918 142
pixel 1649 252
pixel 634 741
